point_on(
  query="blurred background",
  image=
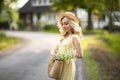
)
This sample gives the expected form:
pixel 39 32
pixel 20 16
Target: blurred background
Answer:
pixel 99 19
pixel 42 14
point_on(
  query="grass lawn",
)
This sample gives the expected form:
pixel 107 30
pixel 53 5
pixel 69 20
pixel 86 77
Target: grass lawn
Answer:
pixel 102 57
pixel 7 41
pixel 92 66
pixel 50 31
pixel 95 31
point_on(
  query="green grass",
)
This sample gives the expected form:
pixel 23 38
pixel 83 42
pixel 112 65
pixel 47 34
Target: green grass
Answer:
pixel 111 41
pixel 107 42
pixel 94 31
pixel 92 66
pixel 50 31
pixel 7 41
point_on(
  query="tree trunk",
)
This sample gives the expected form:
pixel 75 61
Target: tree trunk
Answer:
pixel 90 24
pixel 1 5
pixel 111 26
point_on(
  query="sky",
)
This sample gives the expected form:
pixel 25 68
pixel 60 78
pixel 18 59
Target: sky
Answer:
pixel 21 3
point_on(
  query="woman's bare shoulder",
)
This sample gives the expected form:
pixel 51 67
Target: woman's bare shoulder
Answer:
pixel 74 37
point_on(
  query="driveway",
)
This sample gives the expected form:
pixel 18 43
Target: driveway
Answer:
pixel 30 61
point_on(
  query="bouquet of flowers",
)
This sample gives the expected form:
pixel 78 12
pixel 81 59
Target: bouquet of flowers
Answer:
pixel 65 54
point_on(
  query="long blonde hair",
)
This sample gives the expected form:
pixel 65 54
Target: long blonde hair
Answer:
pixel 76 29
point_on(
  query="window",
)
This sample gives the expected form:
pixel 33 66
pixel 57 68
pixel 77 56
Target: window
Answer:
pixel 41 2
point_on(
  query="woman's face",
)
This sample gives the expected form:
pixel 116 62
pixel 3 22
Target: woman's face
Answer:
pixel 65 24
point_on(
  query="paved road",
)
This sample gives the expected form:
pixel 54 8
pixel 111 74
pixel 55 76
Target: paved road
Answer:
pixel 30 61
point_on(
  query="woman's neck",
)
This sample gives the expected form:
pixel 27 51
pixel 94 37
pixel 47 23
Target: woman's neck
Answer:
pixel 68 33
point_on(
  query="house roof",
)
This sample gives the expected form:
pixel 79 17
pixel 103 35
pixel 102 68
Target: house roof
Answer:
pixel 28 8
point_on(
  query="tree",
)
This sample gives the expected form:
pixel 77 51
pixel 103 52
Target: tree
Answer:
pixel 7 12
pixel 1 5
pixel 103 6
pixel 108 7
pixel 63 5
pixel 88 5
pixel 113 5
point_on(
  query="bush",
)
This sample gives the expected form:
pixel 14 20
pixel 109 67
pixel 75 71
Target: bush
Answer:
pixel 21 24
pixel 2 35
pixel 50 27
pixel 4 25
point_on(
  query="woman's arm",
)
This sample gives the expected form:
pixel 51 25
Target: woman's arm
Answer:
pixel 77 44
pixel 54 52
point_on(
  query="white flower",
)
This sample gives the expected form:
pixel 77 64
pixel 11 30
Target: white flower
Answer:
pixel 65 54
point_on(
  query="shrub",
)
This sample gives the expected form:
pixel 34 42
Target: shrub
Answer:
pixel 21 24
pixel 50 27
pixel 2 35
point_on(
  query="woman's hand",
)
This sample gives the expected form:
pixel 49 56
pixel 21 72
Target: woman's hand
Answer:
pixel 78 55
pixel 53 55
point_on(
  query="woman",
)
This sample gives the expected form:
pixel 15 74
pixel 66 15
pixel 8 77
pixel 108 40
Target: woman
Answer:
pixel 69 43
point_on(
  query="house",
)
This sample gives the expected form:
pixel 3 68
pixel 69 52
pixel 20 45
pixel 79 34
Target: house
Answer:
pixel 36 12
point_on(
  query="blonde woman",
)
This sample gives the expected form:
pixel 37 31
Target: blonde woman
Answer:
pixel 69 44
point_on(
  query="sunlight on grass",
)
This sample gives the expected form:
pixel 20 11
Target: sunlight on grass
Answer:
pixel 50 31
pixel 7 41
pixel 111 42
pixel 107 44
pixel 85 42
pixel 94 31
pixel 3 45
pixel 91 64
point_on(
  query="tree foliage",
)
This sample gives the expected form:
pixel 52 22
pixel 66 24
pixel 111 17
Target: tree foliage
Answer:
pixel 1 5
pixel 8 14
pixel 6 10
pixel 111 7
pixel 72 5
pixel 103 6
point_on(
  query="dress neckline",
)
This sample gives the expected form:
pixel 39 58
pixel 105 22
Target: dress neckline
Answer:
pixel 66 38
